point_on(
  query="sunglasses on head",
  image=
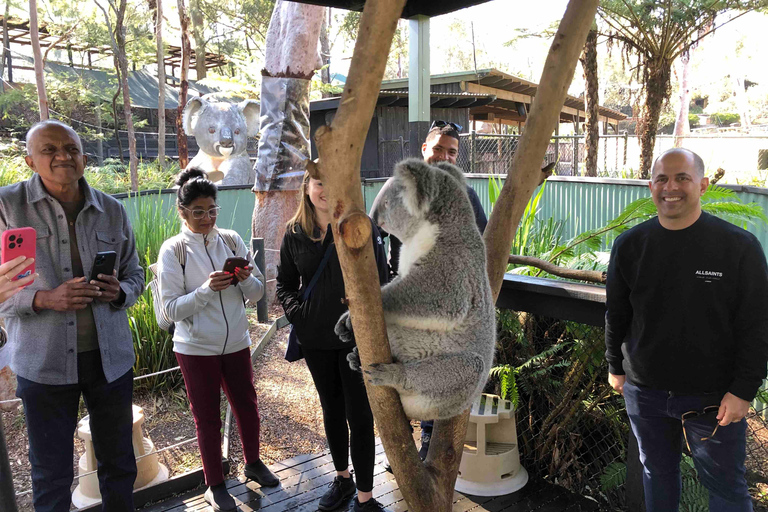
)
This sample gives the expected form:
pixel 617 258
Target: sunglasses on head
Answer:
pixel 440 124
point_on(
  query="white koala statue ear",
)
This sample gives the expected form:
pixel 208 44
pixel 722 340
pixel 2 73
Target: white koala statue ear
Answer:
pixel 250 110
pixel 192 111
pixel 419 188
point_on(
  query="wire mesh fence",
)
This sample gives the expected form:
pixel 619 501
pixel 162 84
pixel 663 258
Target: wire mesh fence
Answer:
pixel 573 429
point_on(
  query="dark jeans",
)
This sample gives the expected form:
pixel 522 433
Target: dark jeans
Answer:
pixel 344 401
pixel 51 414
pixel 655 417
pixel 204 376
pixel 426 429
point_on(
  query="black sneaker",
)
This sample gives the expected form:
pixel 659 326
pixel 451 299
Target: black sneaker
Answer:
pixel 260 473
pixel 369 506
pixel 425 438
pixel 340 489
pixel 218 498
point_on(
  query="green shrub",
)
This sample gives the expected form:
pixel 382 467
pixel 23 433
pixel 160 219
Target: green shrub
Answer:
pixel 724 118
pixel 152 225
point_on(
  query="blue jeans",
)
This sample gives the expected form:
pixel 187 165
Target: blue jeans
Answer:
pixel 51 415
pixel 655 417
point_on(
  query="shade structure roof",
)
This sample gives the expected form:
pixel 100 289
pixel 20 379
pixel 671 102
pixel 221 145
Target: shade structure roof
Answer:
pixel 513 95
pixel 143 86
pixel 412 7
pixel 400 99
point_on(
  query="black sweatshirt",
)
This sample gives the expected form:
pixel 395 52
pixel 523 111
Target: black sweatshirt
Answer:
pixel 687 310
pixel 315 319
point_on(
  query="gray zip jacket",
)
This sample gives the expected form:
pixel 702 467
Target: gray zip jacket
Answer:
pixel 42 345
pixel 208 323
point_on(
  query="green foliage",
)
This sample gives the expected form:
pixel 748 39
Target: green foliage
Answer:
pixel 152 225
pixel 613 477
pixel 506 376
pixel 18 111
pixel 724 118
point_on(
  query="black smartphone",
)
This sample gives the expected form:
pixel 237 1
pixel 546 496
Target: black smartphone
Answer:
pixel 232 264
pixel 103 263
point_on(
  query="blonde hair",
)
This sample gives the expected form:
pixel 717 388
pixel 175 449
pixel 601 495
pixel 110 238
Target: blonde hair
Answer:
pixel 305 214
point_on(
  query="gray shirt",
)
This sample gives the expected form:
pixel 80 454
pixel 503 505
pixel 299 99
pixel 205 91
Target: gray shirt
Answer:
pixel 42 345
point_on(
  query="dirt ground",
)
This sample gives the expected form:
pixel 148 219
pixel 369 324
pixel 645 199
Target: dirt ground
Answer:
pixel 291 418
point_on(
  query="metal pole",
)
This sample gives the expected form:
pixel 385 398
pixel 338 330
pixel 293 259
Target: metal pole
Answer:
pixel 472 142
pixel 257 249
pixel 7 493
pixel 575 155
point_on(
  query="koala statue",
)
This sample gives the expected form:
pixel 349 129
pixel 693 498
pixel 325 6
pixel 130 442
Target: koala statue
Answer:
pixel 439 310
pixel 221 130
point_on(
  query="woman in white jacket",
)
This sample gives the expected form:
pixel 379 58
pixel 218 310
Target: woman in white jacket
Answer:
pixel 211 338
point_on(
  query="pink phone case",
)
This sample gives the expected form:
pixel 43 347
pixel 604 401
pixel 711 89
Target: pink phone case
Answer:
pixel 19 242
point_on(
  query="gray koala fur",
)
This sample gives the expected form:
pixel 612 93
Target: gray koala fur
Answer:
pixel 439 311
pixel 223 153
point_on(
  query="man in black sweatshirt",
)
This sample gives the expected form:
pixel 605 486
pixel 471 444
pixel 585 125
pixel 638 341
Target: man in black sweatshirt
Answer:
pixel 687 337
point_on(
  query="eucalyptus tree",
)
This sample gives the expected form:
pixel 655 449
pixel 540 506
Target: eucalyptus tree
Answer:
pixel 657 33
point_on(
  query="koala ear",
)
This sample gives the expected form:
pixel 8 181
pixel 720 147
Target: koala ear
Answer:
pixel 454 171
pixel 192 112
pixel 250 110
pixel 420 186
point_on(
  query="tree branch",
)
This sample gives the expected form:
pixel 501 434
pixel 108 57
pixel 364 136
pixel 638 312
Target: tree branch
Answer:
pixel 593 276
pixel 525 171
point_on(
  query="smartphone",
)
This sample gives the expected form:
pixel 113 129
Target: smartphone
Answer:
pixel 103 263
pixel 19 242
pixel 234 263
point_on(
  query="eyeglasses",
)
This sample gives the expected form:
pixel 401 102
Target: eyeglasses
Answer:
pixel 201 214
pixel 440 124
pixel 712 409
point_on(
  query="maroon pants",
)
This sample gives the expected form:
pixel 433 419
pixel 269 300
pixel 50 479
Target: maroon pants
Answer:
pixel 204 376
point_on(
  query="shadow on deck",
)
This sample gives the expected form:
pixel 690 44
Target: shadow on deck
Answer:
pixel 304 479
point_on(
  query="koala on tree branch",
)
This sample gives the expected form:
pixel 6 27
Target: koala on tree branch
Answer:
pixel 439 311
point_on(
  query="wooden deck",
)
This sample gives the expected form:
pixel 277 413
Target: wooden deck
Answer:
pixel 304 479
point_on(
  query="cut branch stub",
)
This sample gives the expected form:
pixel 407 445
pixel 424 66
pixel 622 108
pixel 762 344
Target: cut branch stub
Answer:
pixel 355 230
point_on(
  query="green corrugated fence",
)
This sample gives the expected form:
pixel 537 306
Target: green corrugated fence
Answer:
pixel 582 203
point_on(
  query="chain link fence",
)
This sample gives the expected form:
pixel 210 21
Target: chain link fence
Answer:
pixel 743 157
pixel 573 429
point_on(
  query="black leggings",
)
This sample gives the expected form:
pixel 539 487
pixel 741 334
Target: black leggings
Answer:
pixel 344 401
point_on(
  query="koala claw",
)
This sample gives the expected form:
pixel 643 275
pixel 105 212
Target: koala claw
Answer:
pixel 343 328
pixel 353 358
pixel 382 374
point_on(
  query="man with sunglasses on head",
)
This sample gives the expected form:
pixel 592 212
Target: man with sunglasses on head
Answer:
pixel 687 337
pixel 69 334
pixel 441 145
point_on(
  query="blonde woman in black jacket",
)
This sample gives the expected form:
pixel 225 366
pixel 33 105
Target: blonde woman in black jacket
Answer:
pixel 341 390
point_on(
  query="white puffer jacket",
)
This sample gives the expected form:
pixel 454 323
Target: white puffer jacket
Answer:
pixel 207 322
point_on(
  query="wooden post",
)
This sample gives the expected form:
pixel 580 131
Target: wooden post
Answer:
pixel 160 85
pixel 181 137
pixel 42 97
pixel 257 249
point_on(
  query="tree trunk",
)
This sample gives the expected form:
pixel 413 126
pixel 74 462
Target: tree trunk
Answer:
pixel 198 32
pixel 325 53
pixel 525 169
pixel 428 486
pixel 42 97
pixel 591 103
pixel 5 45
pixel 181 137
pixel 123 63
pixel 291 51
pixel 656 90
pixel 161 85
pixel 682 125
pixel 116 117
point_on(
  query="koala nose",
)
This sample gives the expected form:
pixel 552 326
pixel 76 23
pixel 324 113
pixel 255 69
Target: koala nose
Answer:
pixel 225 139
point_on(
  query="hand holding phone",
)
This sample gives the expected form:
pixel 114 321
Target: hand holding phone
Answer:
pixel 235 266
pixel 103 276
pixel 8 287
pixel 19 242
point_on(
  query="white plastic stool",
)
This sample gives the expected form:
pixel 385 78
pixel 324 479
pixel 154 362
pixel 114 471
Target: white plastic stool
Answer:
pixel 490 464
pixel 150 472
